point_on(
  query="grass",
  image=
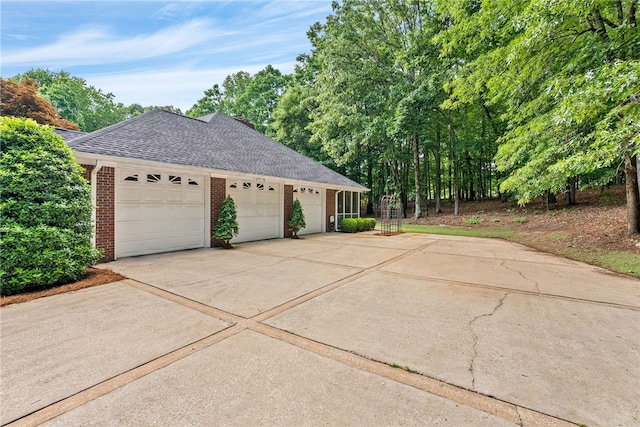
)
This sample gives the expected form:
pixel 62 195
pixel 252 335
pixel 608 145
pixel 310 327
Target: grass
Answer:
pixel 404 368
pixel 618 261
pixel 473 220
pixel 520 219
pixel 494 232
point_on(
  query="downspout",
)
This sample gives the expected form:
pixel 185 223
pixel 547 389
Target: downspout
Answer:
pixel 94 198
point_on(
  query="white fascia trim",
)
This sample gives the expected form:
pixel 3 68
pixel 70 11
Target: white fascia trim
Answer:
pixel 127 162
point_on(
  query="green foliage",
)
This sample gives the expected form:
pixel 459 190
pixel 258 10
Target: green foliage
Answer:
pixel 227 223
pixel 567 76
pixel 520 219
pixel 252 97
pixel 474 220
pixel 349 225
pixel 371 223
pixel 354 225
pixel 45 208
pixel 296 222
pixel 87 106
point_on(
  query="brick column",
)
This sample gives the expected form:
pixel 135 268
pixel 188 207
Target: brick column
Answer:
pixel 331 208
pixel 288 206
pixel 86 172
pixel 218 193
pixel 106 213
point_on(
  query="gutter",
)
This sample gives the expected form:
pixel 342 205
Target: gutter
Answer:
pixel 94 197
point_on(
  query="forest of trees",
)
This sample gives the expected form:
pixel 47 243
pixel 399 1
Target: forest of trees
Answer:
pixel 447 99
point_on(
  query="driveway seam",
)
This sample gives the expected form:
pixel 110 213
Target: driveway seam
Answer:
pixel 513 290
pixel 102 388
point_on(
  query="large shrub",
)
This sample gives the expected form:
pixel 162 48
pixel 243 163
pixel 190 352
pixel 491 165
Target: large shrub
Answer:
pixel 45 209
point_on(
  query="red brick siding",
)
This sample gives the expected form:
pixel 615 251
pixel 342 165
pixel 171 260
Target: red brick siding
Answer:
pixel 106 213
pixel 288 206
pixel 331 207
pixel 218 193
pixel 86 172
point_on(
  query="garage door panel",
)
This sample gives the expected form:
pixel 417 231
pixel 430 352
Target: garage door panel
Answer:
pixel 194 197
pixel 175 196
pixel 129 194
pixel 158 212
pixel 152 195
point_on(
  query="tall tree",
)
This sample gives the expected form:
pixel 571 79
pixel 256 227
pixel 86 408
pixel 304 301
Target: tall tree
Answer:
pixel 567 74
pixel 252 97
pixel 22 100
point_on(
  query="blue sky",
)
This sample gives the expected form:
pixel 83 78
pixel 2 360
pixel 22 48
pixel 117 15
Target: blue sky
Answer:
pixel 156 52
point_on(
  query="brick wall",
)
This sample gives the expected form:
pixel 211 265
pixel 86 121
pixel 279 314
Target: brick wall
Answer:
pixel 218 193
pixel 86 172
pixel 106 213
pixel 288 206
pixel 331 208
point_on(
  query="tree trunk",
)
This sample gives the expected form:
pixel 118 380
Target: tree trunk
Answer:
pixel 570 195
pixel 416 176
pixel 633 195
pixel 456 168
pixel 438 186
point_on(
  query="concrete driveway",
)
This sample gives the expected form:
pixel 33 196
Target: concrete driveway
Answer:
pixel 332 329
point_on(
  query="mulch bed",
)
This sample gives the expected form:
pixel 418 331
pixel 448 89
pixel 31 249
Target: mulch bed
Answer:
pixel 94 277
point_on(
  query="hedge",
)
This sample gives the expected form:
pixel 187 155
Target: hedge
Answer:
pixel 45 208
pixel 353 225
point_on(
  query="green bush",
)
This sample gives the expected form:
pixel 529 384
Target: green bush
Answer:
pixel 45 209
pixel 349 225
pixel 362 224
pixel 372 223
pixel 296 223
pixel 227 223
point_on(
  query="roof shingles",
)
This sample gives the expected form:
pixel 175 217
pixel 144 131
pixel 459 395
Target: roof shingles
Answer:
pixel 213 142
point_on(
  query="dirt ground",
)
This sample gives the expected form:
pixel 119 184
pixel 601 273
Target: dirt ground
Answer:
pixel 598 220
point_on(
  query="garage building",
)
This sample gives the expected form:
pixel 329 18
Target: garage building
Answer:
pixel 158 181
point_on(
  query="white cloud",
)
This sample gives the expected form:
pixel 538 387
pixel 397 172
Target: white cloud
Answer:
pixel 99 45
pixel 180 87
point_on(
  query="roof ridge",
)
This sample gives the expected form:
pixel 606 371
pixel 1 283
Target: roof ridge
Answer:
pixel 96 133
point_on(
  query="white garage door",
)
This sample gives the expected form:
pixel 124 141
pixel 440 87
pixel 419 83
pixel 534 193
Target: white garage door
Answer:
pixel 158 212
pixel 311 201
pixel 258 205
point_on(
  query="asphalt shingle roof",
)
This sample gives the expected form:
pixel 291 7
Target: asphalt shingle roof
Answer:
pixel 214 141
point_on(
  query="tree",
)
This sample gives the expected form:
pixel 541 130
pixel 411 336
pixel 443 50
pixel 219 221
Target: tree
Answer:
pixel 567 75
pixel 22 100
pixel 45 209
pixel 80 103
pixel 227 224
pixel 251 97
pixel 296 222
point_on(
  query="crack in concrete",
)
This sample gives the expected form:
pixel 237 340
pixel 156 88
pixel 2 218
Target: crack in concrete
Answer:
pixel 536 284
pixel 475 339
pixel 520 421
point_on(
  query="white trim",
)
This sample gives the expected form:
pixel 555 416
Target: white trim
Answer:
pixel 94 199
pixel 281 228
pixel 128 162
pixel 207 212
